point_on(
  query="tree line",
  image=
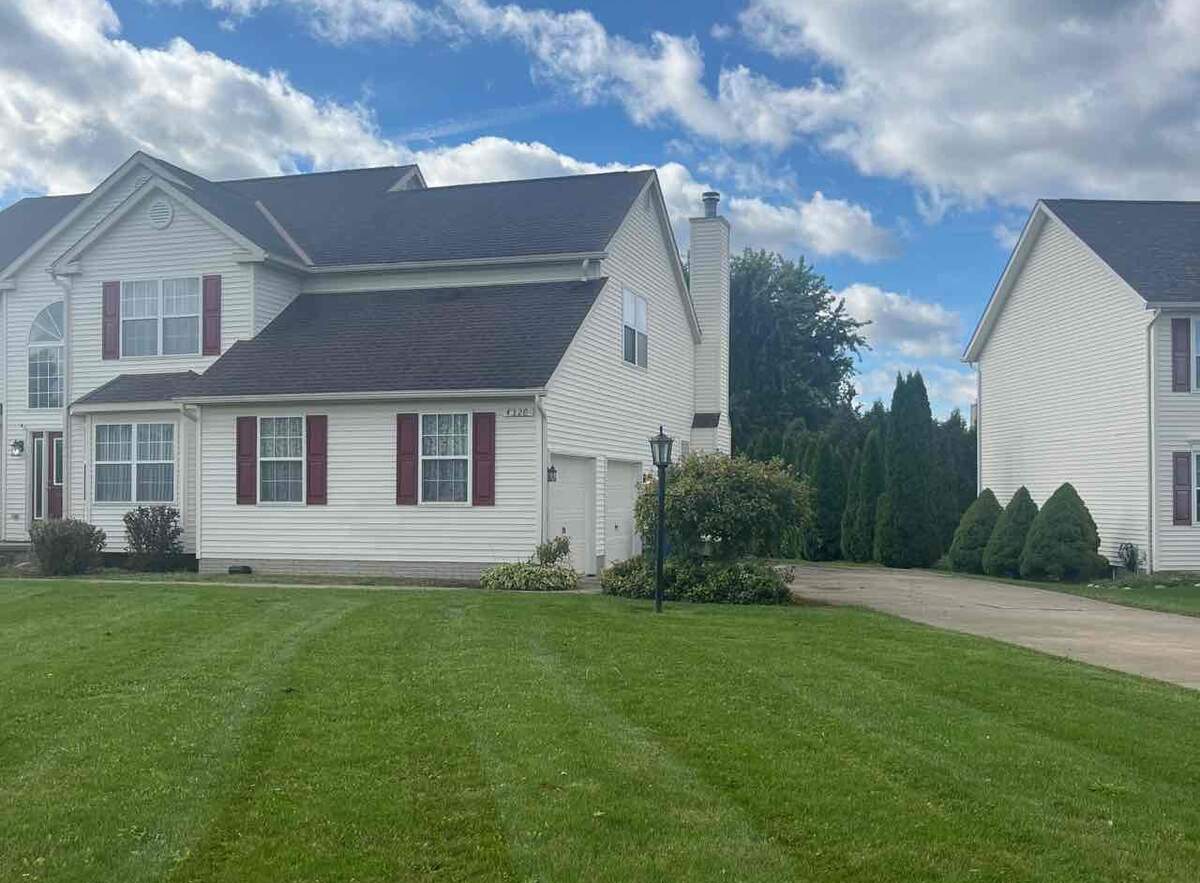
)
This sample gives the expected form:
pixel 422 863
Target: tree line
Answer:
pixel 888 484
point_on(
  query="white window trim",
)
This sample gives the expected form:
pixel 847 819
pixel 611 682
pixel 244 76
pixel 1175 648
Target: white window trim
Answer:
pixel 646 331
pixel 134 462
pixel 422 457
pixel 39 478
pixel 258 461
pixel 158 284
pixel 46 344
pixel 57 458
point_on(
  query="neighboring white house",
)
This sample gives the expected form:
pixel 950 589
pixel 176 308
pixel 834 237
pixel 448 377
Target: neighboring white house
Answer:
pixel 351 371
pixel 1088 359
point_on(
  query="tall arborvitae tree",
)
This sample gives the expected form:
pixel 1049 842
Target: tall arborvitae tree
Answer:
pixel 851 507
pixel 905 532
pixel 859 545
pixel 954 480
pixel 827 477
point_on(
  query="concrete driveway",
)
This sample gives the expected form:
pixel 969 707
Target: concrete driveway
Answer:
pixel 1142 642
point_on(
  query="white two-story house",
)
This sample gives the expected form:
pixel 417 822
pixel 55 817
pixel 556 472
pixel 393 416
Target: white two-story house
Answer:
pixel 351 371
pixel 1088 357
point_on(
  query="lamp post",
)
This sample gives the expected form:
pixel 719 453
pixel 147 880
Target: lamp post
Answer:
pixel 660 453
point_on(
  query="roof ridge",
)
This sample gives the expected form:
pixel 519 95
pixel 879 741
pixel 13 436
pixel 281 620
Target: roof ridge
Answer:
pixel 316 174
pixel 1121 201
pixel 535 180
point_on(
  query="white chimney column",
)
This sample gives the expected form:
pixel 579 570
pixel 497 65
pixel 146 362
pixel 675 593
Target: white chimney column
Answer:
pixel 708 271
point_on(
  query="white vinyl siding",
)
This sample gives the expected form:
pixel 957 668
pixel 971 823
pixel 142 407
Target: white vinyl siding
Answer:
pixel 361 521
pixel 1176 429
pixel 1063 389
pixel 708 270
pixel 596 405
pixel 273 291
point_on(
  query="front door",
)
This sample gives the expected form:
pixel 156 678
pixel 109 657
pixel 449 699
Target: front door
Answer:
pixel 46 478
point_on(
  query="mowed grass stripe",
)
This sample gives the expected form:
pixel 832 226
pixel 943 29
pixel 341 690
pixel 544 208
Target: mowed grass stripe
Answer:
pixel 357 770
pixel 584 792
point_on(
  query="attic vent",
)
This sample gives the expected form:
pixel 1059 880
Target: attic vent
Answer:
pixel 160 214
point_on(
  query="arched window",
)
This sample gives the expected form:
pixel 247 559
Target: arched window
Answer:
pixel 46 358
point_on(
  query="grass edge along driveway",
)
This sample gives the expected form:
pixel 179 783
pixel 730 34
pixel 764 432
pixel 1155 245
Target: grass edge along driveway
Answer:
pixel 209 733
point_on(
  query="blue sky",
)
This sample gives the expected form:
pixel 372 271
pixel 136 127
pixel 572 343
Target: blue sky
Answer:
pixel 897 145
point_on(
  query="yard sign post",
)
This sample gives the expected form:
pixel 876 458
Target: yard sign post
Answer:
pixel 660 453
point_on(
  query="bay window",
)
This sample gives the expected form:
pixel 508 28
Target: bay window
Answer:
pixel 135 463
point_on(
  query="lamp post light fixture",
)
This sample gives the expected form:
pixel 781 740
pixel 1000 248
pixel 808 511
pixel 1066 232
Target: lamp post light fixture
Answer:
pixel 660 453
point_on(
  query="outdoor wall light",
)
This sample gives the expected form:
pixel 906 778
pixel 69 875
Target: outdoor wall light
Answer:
pixel 552 473
pixel 17 447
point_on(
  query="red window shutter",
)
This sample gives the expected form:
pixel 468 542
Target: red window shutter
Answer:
pixel 1181 486
pixel 110 320
pixel 1181 355
pixel 318 458
pixel 212 315
pixel 247 461
pixel 406 459
pixel 483 458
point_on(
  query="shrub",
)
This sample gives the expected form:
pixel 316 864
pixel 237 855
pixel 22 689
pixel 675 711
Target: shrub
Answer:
pixel 529 577
pixel 714 582
pixel 1002 554
pixel 1063 543
pixel 728 506
pixel 556 550
pixel 974 531
pixel 153 534
pixel 66 546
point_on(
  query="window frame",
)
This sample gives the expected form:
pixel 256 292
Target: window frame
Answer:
pixel 632 298
pixel 40 501
pixel 422 457
pixel 160 317
pixel 57 462
pixel 1195 454
pixel 60 358
pixel 133 463
pixel 303 458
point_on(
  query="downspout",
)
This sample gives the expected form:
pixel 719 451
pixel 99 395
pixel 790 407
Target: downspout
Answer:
pixel 543 490
pixel 1151 439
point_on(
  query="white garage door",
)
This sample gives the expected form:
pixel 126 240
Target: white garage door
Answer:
pixel 571 508
pixel 620 492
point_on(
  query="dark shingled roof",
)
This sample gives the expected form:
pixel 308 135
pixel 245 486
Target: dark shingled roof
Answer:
pixel 706 420
pixel 354 217
pixel 484 337
pixel 1153 246
pixel 130 388
pixel 24 223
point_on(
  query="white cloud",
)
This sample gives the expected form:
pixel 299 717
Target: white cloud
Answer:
pixel 721 31
pixel 902 324
pixel 346 21
pixel 948 386
pixel 1006 235
pixel 75 101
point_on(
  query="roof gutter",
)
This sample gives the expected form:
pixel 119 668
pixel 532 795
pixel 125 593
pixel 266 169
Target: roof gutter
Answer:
pixel 365 396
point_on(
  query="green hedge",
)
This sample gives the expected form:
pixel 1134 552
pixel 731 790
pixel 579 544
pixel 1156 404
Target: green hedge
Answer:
pixel 736 582
pixel 529 577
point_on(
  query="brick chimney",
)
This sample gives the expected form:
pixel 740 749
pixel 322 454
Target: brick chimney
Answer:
pixel 708 269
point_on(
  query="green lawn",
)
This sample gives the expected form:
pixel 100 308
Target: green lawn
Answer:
pixel 255 734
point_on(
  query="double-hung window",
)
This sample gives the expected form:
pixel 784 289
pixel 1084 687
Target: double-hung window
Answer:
pixel 281 459
pixel 160 317
pixel 445 455
pixel 633 328
pixel 135 462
